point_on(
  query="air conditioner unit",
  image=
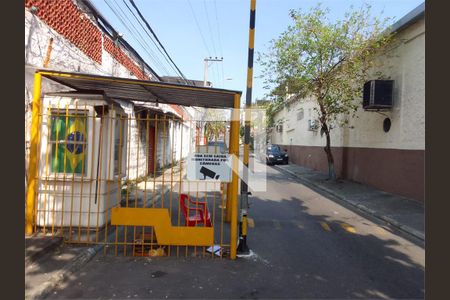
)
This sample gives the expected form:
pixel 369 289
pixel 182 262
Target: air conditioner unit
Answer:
pixel 377 94
pixel 313 125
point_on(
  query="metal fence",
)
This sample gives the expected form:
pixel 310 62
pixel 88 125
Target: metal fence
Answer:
pixel 117 178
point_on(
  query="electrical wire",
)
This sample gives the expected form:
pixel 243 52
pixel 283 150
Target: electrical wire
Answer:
pixel 142 38
pixel 106 27
pixel 199 29
pixel 140 42
pixel 215 67
pixel 220 41
pixel 214 74
pixel 151 38
pixel 209 28
pixel 153 41
pixel 156 37
pixel 160 66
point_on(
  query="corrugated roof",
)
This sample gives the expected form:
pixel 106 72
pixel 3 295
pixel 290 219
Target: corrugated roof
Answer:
pixel 146 91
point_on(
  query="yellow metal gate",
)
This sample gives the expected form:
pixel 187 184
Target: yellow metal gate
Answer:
pixel 111 174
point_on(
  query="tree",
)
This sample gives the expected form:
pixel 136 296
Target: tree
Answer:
pixel 215 126
pixel 326 61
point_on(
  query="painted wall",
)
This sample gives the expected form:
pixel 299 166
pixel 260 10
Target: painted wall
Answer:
pixel 72 42
pixel 364 152
pixel 62 34
pixel 75 199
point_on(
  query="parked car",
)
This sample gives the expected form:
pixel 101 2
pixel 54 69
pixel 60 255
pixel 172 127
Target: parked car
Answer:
pixel 274 155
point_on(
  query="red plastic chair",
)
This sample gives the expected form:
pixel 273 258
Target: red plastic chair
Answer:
pixel 201 215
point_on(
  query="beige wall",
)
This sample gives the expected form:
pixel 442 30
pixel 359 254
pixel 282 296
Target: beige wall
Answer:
pixel 391 161
pixel 405 64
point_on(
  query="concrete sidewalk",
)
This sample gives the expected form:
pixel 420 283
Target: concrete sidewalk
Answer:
pixel 402 213
pixel 37 245
pixel 49 262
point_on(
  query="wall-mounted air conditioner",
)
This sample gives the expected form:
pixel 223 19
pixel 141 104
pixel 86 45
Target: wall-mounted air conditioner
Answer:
pixel 377 94
pixel 313 125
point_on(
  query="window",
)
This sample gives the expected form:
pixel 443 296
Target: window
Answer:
pixel 119 144
pixel 68 141
pixel 300 114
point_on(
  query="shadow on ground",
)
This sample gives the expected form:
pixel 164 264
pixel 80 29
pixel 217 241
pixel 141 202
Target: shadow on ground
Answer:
pixel 294 257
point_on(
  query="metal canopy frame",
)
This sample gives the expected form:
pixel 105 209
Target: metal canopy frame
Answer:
pixel 138 90
pixel 146 91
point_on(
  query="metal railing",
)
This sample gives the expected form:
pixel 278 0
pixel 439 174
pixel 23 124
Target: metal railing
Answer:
pixel 93 158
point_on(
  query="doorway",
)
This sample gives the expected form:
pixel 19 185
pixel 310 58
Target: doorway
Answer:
pixel 151 150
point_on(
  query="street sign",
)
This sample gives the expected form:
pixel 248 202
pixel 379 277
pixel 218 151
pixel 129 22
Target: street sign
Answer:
pixel 209 166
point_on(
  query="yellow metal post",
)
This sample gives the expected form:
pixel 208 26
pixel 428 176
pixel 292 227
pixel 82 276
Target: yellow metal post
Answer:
pixel 232 194
pixel 243 248
pixel 32 163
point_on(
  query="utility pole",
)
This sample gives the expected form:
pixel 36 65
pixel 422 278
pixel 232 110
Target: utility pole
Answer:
pixel 205 71
pixel 243 248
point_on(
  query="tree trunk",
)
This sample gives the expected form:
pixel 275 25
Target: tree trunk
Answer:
pixel 326 129
pixel 327 148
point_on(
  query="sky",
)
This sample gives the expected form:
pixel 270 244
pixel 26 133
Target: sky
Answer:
pixel 192 30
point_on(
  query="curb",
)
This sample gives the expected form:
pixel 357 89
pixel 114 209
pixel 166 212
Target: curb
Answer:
pixel 404 228
pixel 79 261
pixel 53 243
pixel 76 264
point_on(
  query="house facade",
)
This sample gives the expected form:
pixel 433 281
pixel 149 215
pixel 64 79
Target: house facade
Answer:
pixel 72 36
pixel 90 144
pixel 384 149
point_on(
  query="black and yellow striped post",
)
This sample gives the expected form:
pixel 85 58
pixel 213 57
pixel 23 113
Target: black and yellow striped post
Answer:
pixel 243 247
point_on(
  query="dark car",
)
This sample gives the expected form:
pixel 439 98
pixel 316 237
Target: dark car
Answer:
pixel 274 155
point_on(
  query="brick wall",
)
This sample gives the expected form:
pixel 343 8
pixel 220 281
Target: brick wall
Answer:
pixel 123 59
pixel 73 24
pixel 65 18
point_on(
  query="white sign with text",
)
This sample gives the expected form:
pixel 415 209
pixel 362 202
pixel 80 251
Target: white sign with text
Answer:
pixel 209 167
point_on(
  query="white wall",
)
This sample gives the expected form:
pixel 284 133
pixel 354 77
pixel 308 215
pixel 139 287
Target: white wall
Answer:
pixel 65 56
pixel 60 194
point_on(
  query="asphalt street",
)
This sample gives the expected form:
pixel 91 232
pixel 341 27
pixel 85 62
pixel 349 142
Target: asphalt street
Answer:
pixel 304 246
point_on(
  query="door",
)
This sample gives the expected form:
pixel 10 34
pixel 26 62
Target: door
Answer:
pixel 151 150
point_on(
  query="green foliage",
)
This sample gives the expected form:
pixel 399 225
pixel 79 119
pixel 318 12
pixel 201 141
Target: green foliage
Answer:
pixel 326 60
pixel 215 126
pixel 271 109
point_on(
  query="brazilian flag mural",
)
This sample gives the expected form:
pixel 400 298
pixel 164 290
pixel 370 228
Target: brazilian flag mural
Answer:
pixel 69 152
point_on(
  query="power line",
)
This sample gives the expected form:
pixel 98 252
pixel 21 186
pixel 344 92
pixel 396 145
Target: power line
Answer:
pixel 151 30
pixel 199 29
pixel 209 28
pixel 111 31
pixel 155 60
pixel 220 41
pixel 151 38
pixel 151 55
pixel 215 67
pixel 141 42
pixel 215 72
pixel 144 40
